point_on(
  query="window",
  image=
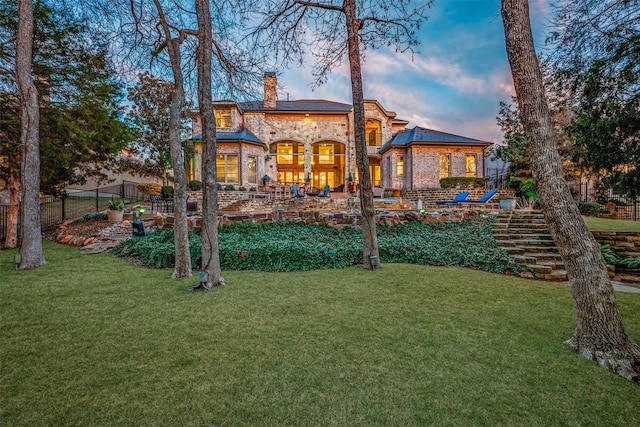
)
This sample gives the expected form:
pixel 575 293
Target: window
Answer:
pixel 285 154
pixel 252 169
pixel 227 168
pixel 470 165
pixel 400 165
pixel 325 154
pixel 373 129
pixel 223 118
pixel 445 165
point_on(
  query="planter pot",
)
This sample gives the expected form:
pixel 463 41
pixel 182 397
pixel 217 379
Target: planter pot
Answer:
pixel 396 192
pixel 115 217
pixel 351 187
pixel 508 204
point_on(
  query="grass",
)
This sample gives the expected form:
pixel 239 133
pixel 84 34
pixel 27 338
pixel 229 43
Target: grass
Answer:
pixel 603 224
pixel 93 340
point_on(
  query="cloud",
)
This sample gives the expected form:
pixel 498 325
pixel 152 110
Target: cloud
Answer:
pixel 435 68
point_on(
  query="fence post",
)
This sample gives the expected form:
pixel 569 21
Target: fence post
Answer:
pixel 122 190
pixel 97 200
pixel 64 200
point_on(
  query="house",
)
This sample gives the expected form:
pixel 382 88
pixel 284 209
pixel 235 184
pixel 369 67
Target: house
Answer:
pixel 313 141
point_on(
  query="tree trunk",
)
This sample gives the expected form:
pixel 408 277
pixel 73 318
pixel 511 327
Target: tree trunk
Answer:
pixel 369 234
pixel 210 256
pixel 13 213
pixel 599 333
pixel 180 229
pixel 31 250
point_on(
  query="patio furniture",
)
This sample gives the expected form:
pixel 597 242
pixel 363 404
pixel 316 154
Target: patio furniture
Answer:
pixel 325 191
pixel 378 192
pixel 460 197
pixel 482 201
pixel 296 191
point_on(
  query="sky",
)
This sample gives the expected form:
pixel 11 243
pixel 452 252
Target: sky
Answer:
pixel 453 84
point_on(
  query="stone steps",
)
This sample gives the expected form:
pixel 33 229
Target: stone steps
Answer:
pixel 524 235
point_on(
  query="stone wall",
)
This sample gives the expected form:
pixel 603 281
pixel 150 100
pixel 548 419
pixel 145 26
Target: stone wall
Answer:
pixel 625 244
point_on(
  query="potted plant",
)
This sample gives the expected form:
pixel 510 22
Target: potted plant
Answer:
pixel 116 210
pixel 350 185
pixel 266 179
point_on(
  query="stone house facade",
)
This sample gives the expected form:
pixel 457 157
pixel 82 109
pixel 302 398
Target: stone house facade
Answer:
pixel 312 141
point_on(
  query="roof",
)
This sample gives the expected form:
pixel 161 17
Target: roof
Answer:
pixel 301 105
pixel 242 135
pixel 419 135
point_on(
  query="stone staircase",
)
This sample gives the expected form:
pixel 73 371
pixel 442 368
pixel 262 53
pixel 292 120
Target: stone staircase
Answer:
pixel 525 236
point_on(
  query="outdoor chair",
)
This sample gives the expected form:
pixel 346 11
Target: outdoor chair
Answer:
pixel 325 191
pixel 460 197
pixel 483 200
pixel 296 191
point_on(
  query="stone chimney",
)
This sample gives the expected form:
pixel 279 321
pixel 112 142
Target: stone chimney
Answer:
pixel 270 92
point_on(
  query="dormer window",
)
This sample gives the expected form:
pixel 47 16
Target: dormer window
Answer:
pixel 223 118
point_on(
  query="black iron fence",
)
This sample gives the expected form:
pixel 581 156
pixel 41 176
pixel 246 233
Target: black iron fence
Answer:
pixel 75 203
pixel 617 206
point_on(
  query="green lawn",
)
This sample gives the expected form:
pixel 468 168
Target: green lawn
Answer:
pixel 93 340
pixel 603 224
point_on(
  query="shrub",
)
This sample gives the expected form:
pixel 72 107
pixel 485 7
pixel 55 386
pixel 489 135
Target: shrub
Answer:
pixel 252 189
pixel 195 185
pixel 116 204
pixel 147 188
pixel 229 188
pixel 241 188
pixel 589 208
pixel 219 186
pixel 462 182
pixel 93 216
pixel 287 246
pixel 166 191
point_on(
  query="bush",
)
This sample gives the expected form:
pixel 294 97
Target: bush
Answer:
pixel 93 216
pixel 252 189
pixel 166 191
pixel 219 186
pixel 195 185
pixel 229 188
pixel 241 188
pixel 148 188
pixel 462 182
pixel 589 208
pixel 287 246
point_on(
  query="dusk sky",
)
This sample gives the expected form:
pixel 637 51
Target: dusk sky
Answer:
pixel 454 83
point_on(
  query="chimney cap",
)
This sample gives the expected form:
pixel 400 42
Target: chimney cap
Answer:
pixel 269 74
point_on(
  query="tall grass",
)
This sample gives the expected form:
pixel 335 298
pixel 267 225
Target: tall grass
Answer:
pixel 93 340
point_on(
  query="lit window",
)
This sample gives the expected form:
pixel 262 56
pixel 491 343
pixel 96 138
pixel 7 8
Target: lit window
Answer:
pixel 223 118
pixel 285 154
pixel 252 170
pixel 400 165
pixel 325 154
pixel 227 168
pixel 470 168
pixel 445 165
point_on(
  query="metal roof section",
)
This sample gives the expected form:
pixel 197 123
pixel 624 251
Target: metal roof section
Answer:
pixel 423 136
pixel 301 105
pixel 242 135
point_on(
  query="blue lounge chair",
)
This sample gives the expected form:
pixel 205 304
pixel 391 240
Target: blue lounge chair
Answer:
pixel 460 197
pixel 484 199
pixel 325 191
pixel 296 191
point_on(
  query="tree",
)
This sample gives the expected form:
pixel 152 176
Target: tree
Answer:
pixel 599 332
pixel 151 113
pixel 31 254
pixel 81 130
pixel 338 30
pixel 210 253
pixel 172 43
pixel 595 53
